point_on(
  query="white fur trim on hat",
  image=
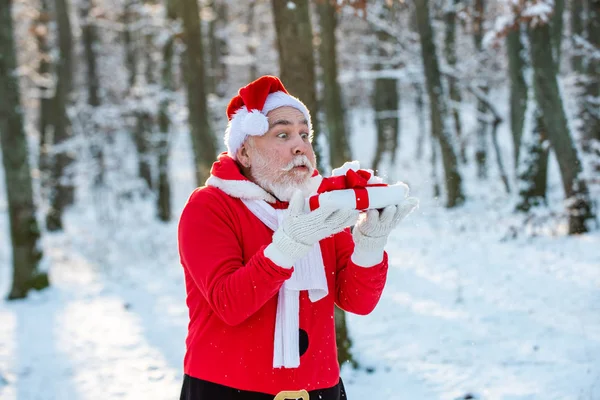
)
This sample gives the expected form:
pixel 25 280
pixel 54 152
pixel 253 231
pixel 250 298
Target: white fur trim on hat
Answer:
pixel 255 123
pixel 281 99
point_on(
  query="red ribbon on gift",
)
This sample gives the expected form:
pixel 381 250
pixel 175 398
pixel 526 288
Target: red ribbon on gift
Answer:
pixel 355 180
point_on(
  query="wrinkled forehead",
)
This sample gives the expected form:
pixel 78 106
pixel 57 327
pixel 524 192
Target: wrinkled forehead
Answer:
pixel 286 116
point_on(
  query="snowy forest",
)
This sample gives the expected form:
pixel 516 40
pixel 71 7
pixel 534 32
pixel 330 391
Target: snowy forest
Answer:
pixel 113 111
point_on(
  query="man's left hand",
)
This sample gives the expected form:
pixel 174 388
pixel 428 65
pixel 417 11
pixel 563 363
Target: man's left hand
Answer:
pixel 371 232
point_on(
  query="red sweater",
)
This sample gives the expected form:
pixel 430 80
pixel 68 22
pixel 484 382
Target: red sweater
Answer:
pixel 232 291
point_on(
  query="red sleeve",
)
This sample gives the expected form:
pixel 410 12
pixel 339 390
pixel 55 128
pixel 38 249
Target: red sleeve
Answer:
pixel 357 288
pixel 211 252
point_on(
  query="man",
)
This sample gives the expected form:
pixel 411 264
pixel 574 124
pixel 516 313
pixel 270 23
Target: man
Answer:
pixel 262 275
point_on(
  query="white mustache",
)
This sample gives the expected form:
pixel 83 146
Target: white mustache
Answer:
pixel 300 161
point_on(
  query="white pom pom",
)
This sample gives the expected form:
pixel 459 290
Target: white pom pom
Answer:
pixel 255 123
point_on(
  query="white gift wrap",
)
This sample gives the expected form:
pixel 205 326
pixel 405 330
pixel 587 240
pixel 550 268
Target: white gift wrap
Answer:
pixel 379 197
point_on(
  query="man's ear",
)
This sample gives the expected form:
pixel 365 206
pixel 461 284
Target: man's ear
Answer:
pixel 242 155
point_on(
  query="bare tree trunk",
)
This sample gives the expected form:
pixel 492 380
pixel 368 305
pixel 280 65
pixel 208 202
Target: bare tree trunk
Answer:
pixel 421 118
pixel 90 43
pixel 164 122
pixel 590 102
pixel 203 140
pixel 251 45
pixel 129 44
pixel 342 338
pixel 497 120
pixel 41 30
pixel 149 63
pixel 550 101
pixel 481 142
pixel 440 124
pixel 385 93
pixel 65 42
pixel 150 50
pixel 533 170
pixel 557 30
pixel 296 58
pixel 544 146
pixel 88 33
pixel 62 191
pixel 139 50
pixel 518 89
pixel 142 127
pixel 339 150
pixel 217 71
pixel 453 90
pixel 385 102
pixel 419 96
pixel 482 124
pixel 498 153
pixel 576 32
pixel 533 175
pixel 212 54
pixel 24 231
pixel 437 191
pixel 143 132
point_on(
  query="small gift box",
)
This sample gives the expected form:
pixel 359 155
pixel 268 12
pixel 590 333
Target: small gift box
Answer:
pixel 350 187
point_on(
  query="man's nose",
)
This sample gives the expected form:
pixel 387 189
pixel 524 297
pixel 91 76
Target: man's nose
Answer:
pixel 299 146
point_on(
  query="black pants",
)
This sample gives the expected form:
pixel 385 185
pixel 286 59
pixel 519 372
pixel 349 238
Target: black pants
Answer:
pixel 198 389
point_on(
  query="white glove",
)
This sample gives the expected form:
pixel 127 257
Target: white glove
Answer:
pixel 299 232
pixel 371 233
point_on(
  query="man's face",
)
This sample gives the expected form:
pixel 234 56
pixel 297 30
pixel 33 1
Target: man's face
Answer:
pixel 283 159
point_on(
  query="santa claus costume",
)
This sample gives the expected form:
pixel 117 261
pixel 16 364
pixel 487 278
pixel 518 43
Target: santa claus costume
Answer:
pixel 250 336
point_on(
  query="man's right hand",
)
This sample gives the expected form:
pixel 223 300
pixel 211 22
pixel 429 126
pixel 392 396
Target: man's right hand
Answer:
pixel 300 231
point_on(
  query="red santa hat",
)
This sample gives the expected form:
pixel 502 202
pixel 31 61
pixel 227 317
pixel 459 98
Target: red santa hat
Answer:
pixel 247 112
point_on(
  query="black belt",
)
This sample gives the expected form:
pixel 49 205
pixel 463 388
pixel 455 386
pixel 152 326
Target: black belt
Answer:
pixel 199 389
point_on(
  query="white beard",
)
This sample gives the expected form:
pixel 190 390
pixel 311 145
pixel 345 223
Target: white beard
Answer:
pixel 283 191
pixel 287 184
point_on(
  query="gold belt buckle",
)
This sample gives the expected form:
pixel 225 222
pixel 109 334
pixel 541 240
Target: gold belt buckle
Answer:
pixel 292 394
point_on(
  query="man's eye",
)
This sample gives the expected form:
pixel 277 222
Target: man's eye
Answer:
pixel 304 135
pixel 282 135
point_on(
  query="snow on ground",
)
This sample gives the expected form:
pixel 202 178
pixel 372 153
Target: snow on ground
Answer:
pixel 472 305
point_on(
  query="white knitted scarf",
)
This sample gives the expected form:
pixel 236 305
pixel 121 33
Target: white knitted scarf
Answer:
pixel 309 274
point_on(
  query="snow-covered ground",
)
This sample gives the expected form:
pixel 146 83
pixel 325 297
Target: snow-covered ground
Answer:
pixel 476 303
